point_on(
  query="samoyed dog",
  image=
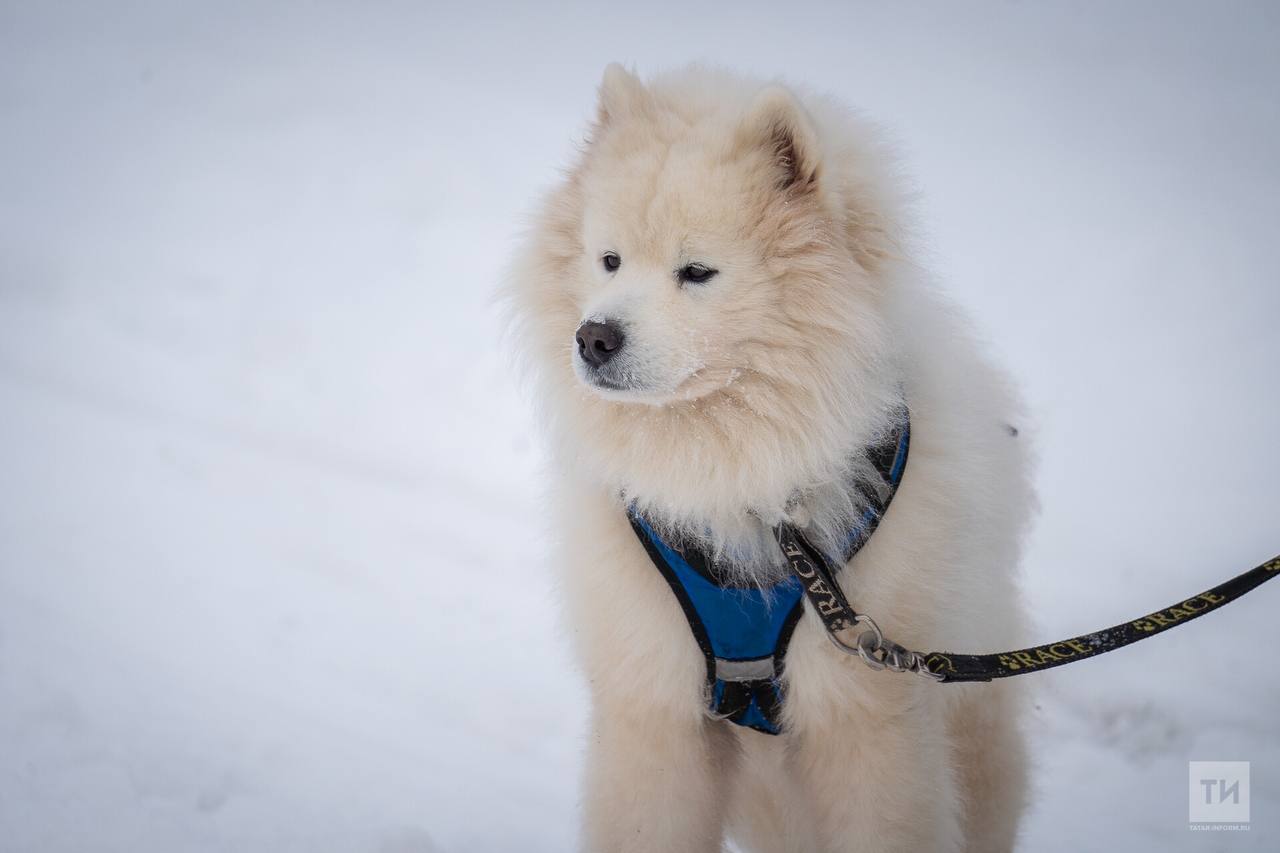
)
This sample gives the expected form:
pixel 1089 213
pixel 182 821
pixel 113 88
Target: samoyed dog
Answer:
pixel 723 318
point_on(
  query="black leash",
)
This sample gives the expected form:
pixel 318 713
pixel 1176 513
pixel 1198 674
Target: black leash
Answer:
pixel 817 575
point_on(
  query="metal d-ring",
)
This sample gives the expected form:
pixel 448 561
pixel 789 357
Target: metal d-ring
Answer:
pixel 868 638
pixel 879 653
pixel 871 648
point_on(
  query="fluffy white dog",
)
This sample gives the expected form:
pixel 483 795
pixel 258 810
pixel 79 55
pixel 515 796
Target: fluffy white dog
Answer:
pixel 722 315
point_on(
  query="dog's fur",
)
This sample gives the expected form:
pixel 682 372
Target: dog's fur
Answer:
pixel 738 403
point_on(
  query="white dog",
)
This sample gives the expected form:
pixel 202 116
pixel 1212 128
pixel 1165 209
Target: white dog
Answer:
pixel 724 322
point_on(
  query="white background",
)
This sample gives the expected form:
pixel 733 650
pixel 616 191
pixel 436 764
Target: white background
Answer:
pixel 271 569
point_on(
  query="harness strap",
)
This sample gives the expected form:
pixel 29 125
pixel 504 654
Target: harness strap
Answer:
pixel 743 630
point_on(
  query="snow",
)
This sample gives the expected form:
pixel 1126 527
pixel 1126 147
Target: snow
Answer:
pixel 272 572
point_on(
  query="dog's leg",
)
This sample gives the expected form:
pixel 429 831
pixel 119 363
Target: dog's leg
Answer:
pixel 881 779
pixel 765 815
pixel 992 764
pixel 655 783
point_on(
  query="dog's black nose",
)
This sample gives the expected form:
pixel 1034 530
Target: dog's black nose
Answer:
pixel 598 342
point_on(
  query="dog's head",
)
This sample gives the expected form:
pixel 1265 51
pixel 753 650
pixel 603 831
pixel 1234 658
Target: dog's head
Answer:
pixel 690 217
pixel 707 283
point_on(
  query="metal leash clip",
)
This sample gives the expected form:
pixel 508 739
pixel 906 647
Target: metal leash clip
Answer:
pixel 880 653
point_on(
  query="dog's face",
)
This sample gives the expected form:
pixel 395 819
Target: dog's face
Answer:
pixel 675 284
pixel 670 280
pixel 705 288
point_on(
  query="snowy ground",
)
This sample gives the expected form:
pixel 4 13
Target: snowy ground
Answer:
pixel 271 576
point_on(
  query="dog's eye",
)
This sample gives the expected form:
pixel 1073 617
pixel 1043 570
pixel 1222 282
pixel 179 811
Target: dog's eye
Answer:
pixel 696 274
pixel 611 261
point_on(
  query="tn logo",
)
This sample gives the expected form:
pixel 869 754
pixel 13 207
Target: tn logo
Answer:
pixel 1218 793
pixel 1222 790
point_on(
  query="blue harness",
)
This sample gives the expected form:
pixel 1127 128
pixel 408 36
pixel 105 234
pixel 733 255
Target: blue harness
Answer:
pixel 743 631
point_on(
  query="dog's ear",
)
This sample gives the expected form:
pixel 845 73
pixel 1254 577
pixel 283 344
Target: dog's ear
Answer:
pixel 621 93
pixel 776 124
